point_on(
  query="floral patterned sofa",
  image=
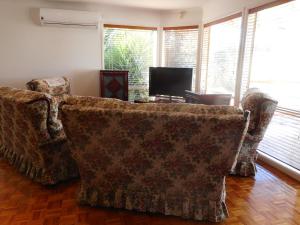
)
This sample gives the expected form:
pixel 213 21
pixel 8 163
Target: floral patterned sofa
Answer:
pixel 262 108
pixel 162 158
pixel 32 138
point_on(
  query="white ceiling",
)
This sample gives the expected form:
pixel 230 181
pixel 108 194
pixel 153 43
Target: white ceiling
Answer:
pixel 149 4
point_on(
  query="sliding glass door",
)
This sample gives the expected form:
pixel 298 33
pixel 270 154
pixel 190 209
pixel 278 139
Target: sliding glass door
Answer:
pixel 220 55
pixel 272 64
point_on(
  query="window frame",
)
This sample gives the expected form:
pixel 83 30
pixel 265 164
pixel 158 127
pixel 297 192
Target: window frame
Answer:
pixel 106 25
pixel 203 77
pixel 239 72
pixel 127 27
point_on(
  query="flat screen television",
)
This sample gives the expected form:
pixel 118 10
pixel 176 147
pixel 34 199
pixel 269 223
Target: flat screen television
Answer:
pixel 169 81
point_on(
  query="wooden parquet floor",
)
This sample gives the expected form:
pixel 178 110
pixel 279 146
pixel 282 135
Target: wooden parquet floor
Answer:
pixel 270 198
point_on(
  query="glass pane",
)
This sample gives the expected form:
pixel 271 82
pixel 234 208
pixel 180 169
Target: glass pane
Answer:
pixel 282 139
pixel 133 50
pixel 275 70
pixel 275 64
pixel 180 49
pixel 224 44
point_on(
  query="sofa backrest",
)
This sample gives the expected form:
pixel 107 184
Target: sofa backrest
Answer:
pixel 90 101
pixel 211 140
pixel 109 103
pixel 27 119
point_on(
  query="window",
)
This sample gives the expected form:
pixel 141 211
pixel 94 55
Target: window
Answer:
pixel 133 49
pixel 221 41
pixel 180 48
pixel 272 64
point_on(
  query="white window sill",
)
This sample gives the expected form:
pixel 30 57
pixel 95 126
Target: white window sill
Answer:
pixel 290 171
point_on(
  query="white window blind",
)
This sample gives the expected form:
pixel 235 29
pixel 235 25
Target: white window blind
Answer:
pixel 204 62
pixel 220 56
pixel 272 64
pixel 180 48
pixel 134 50
pixel 248 53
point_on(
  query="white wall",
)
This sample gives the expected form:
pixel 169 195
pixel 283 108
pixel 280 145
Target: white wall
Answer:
pixel 29 51
pixel 117 15
pixel 181 17
pixel 216 9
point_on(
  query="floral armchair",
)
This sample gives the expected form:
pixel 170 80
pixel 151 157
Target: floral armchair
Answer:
pixel 32 138
pixel 163 158
pixel 56 86
pixel 262 108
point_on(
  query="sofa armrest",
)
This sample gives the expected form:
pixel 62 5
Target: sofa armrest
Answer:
pixel 55 126
pixel 43 116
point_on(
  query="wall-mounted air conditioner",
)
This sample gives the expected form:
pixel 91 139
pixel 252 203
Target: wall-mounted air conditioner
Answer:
pixel 69 18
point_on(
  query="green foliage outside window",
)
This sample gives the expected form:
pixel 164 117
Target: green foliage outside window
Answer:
pixel 130 50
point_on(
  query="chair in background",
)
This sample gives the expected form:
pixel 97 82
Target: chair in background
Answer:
pixel 114 84
pixel 262 108
pixel 55 86
pixel 207 99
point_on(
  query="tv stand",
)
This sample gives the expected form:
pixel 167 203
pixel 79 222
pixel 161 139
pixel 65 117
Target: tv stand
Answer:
pixel 161 99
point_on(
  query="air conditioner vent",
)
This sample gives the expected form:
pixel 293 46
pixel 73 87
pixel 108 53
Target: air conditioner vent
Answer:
pixel 69 18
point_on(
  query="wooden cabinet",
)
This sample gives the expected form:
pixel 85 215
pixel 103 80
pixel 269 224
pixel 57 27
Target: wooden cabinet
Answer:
pixel 114 84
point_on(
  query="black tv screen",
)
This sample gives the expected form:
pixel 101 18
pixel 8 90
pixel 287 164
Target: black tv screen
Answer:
pixel 170 81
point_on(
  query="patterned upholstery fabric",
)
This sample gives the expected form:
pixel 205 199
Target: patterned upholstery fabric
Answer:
pixel 32 138
pixel 57 86
pixel 163 158
pixel 262 108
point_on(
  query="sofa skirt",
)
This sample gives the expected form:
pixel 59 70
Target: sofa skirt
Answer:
pixel 188 208
pixel 244 169
pixel 41 175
